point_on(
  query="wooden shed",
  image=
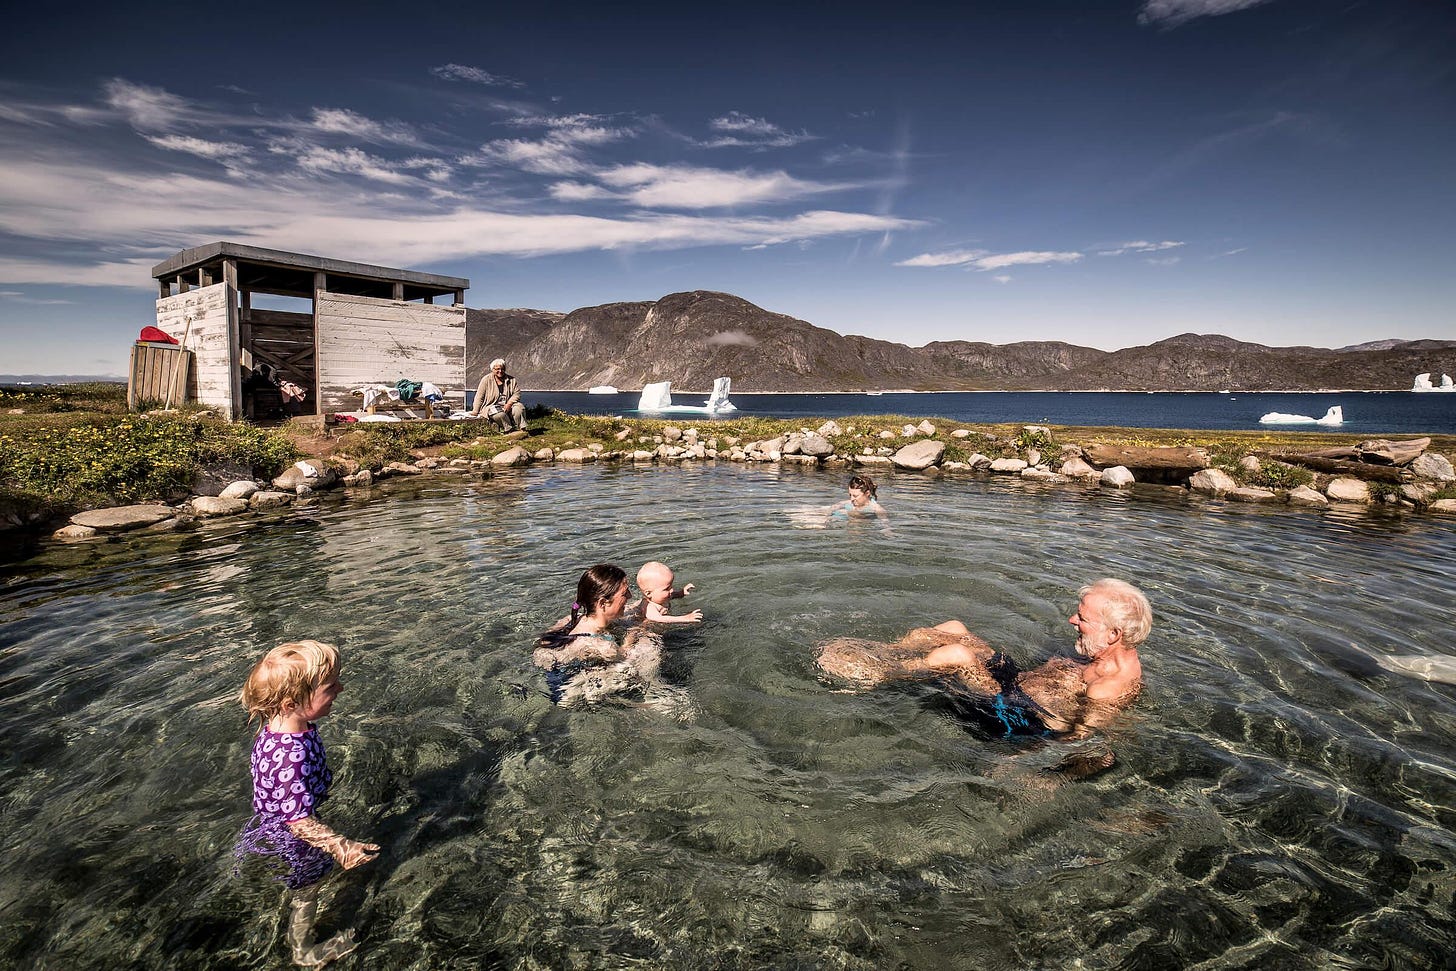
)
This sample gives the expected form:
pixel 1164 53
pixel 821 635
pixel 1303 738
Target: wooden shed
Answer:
pixel 366 325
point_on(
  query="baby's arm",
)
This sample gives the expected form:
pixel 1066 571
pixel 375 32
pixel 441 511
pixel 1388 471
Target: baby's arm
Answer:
pixel 349 853
pixel 687 588
pixel 657 615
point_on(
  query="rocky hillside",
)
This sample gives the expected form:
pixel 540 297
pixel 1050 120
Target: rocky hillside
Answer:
pixel 692 338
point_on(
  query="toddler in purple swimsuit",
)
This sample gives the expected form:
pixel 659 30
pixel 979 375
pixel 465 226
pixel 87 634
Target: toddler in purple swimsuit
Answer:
pixel 293 686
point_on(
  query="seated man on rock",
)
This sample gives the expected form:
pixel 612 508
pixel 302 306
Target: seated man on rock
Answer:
pixel 498 397
pixel 1060 697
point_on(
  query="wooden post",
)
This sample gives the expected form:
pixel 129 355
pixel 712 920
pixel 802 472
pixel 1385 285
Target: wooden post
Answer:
pixel 238 337
pixel 320 285
pixel 164 289
pixel 459 298
pixel 398 291
pixel 182 286
pixel 430 298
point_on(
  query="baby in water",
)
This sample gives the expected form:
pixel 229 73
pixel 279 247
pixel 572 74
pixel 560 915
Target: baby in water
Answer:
pixel 655 580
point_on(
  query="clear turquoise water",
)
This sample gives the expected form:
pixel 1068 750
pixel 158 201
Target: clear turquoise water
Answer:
pixel 1279 798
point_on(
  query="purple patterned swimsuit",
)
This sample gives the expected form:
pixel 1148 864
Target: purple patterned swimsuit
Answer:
pixel 290 778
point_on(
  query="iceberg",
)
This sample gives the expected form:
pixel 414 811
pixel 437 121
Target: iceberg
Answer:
pixel 1335 416
pixel 601 389
pixel 657 397
pixel 1423 383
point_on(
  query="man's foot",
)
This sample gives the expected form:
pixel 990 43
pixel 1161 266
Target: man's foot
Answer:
pixel 317 955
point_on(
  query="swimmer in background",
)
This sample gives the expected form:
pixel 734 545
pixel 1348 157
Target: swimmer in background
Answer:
pixel 861 502
pixel 1062 696
pixel 584 661
pixel 655 581
pixel 292 687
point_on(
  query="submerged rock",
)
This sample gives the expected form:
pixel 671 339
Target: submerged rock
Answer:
pixel 207 507
pixel 121 518
pixel 1345 489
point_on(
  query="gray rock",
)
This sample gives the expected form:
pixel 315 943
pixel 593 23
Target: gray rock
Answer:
pixel 119 519
pixel 1419 493
pixel 73 531
pixel 1041 473
pixel 642 456
pixel 401 468
pixel 925 427
pixel 239 490
pixel 919 455
pixel 1251 494
pixel 427 463
pixel 206 507
pixel 361 478
pixel 517 435
pixel 545 454
pixel 829 429
pixel 908 431
pixel 1305 496
pixel 1250 463
pixel 672 433
pixel 1034 430
pixel 873 460
pixel 624 434
pixel 1214 482
pixel 268 499
pixel 1074 466
pixel 887 434
pixel 1345 489
pixel 578 455
pixel 1430 465
pixel 960 433
pixel 816 446
pixel 511 456
pixel 979 461
pixel 1008 465
pixel 1033 456
pixel 1447 506
pixel 793 445
pixel 1116 477
pixel 295 475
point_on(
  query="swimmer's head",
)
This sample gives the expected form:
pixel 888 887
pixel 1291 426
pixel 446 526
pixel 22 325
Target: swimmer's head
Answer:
pixel 599 585
pixel 655 581
pixel 863 485
pixel 1122 607
pixel 288 676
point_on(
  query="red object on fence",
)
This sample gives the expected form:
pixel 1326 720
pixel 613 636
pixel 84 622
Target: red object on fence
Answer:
pixel 156 336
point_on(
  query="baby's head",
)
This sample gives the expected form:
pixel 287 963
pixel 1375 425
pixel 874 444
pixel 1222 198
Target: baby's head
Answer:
pixel 655 582
pixel 288 676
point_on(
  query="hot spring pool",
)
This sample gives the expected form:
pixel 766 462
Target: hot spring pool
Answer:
pixel 1280 798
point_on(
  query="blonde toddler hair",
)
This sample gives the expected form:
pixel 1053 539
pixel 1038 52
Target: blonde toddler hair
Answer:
pixel 289 672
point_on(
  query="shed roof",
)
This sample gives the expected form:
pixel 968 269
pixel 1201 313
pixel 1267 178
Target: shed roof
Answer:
pixel 279 271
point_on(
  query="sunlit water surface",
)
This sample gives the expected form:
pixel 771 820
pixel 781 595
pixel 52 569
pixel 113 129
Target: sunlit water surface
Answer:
pixel 1279 799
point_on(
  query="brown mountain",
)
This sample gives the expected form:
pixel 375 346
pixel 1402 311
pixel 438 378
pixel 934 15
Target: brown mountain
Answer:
pixel 692 338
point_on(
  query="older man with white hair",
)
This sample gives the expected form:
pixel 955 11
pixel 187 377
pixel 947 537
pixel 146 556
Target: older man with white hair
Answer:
pixel 1112 618
pixel 498 397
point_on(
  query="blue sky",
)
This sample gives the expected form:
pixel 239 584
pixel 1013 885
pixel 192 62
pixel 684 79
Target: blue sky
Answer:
pixel 1104 173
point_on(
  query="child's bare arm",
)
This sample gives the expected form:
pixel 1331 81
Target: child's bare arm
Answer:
pixel 657 615
pixel 349 853
pixel 687 588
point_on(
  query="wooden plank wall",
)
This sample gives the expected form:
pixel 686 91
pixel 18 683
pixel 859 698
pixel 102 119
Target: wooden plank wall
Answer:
pixel 366 340
pixel 214 380
pixel 157 372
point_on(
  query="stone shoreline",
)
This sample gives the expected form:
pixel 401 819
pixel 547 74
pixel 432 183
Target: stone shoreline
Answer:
pixel 1406 474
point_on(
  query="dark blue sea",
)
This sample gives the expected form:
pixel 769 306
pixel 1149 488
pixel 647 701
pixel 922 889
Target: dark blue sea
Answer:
pixel 1365 412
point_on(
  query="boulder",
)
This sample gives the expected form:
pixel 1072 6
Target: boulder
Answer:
pixel 310 472
pixel 1076 467
pixel 1447 506
pixel 1305 496
pixel 816 446
pixel 427 463
pixel 1035 430
pixel 640 455
pixel 672 433
pixel 511 456
pixel 1041 473
pixel 401 468
pixel 361 478
pixel 1251 494
pixel 206 507
pixel 1432 466
pixel 73 531
pixel 1008 465
pixel 1033 456
pixel 925 427
pixel 1419 493
pixel 1250 463
pixel 919 455
pixel 829 429
pixel 873 460
pixel 1345 489
pixel 543 455
pixel 624 434
pixel 119 519
pixel 239 490
pixel 1116 477
pixel 792 446
pixel 978 461
pixel 268 499
pixel 1214 482
pixel 960 433
pixel 575 455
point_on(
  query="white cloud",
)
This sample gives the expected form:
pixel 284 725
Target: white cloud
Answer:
pixel 462 72
pixel 1165 260
pixel 1002 278
pixel 578 192
pixel 982 260
pixel 747 130
pixel 349 161
pixel 1174 13
pixel 1140 246
pixel 146 108
pixel 546 157
pixel 227 152
pixel 687 187
pixel 729 338
pixel 342 121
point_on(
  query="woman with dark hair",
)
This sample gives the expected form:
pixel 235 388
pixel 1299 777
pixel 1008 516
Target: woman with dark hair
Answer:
pixel 583 659
pixel 861 502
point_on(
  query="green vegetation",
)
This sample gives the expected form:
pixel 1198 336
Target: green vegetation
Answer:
pixel 76 447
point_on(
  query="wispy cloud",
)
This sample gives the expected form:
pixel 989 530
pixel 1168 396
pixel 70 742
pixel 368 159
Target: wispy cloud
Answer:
pixel 740 129
pixel 1002 278
pixel 1140 246
pixel 342 121
pixel 19 297
pixel 1174 13
pixel 147 108
pixel 227 152
pixel 1164 260
pixel 984 260
pixel 688 187
pixel 462 72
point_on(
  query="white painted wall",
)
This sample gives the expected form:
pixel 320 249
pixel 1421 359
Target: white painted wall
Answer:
pixel 214 381
pixel 366 340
